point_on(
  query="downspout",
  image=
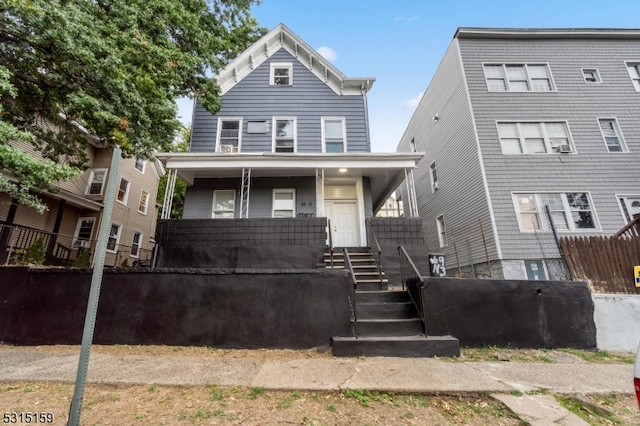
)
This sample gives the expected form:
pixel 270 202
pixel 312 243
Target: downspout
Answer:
pixel 366 114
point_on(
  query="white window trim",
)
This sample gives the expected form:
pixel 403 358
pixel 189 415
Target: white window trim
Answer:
pixel 435 183
pixel 118 235
pixel 618 129
pixel 622 208
pixel 545 225
pixel 90 181
pixel 213 200
pixel 547 142
pixel 135 231
pixel 596 72
pixel 633 64
pixel 441 227
pixel 295 132
pixel 275 65
pixel 146 204
pixel 344 132
pixel 144 165
pixel 126 194
pixel 526 64
pixel 273 199
pixel 219 132
pixel 76 233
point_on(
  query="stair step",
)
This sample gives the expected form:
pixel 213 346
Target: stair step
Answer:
pixel 374 286
pixel 381 297
pixel 407 346
pixel 403 310
pixel 390 327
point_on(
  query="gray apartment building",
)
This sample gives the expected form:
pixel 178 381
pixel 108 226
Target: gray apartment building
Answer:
pixel 526 130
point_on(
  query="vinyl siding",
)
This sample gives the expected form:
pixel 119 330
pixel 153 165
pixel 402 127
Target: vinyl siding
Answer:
pixel 451 143
pixel 592 169
pixel 308 99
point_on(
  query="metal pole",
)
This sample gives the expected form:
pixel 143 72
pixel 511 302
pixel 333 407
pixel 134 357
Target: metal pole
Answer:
pixel 94 292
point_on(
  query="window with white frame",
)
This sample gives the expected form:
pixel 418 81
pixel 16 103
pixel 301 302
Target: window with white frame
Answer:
pixel 223 204
pixel 114 238
pixel 144 202
pixel 123 191
pixel 281 74
pixel 612 135
pixel 434 177
pixel 534 137
pixel 591 75
pixel 630 206
pixel 518 78
pixel 442 231
pixel 97 179
pixel 229 134
pixel 634 72
pixel 284 203
pixel 570 211
pixel 135 244
pixel 333 134
pixel 139 165
pixel 284 134
pixel 84 231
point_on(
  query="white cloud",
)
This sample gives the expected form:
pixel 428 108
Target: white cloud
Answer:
pixel 413 102
pixel 328 53
pixel 404 18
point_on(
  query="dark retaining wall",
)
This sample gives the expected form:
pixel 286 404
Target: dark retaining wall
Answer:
pixel 222 308
pixel 525 314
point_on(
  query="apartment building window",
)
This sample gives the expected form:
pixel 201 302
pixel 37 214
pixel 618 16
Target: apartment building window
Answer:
pixel 96 182
pixel 84 231
pixel 634 72
pixel 571 211
pixel 281 74
pixel 612 135
pixel 518 78
pixel 123 191
pixel 223 204
pixel 434 177
pixel 534 138
pixel 144 202
pixel 139 165
pixel 630 205
pixel 229 134
pixel 333 134
pixel 114 238
pixel 284 135
pixel 284 203
pixel 442 231
pixel 135 244
pixel 591 75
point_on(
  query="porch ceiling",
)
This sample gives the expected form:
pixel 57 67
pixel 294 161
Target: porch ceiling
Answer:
pixel 385 170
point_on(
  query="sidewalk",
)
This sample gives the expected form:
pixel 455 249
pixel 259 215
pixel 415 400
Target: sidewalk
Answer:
pixel 420 375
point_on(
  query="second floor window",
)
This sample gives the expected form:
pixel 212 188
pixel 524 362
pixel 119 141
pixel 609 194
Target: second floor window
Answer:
pixel 612 135
pixel 634 72
pixel 333 131
pixel 281 74
pixel 284 135
pixel 518 78
pixel 123 191
pixel 229 135
pixel 534 138
pixel 96 181
pixel 434 177
pixel 139 165
pixel 571 211
pixel 144 201
pixel 114 238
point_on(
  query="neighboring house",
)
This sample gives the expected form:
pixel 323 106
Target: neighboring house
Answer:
pixel 520 126
pixel 289 149
pixel 391 208
pixel 75 209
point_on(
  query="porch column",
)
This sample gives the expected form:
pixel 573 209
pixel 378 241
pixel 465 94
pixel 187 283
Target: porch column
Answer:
pixel 244 193
pixel 319 192
pixel 411 193
pixel 168 194
pixel 56 227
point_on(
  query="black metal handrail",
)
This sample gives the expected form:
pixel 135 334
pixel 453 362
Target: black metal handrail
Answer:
pixel 374 244
pixel 413 282
pixel 352 289
pixel 330 241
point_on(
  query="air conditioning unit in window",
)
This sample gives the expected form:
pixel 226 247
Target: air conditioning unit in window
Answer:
pixel 81 244
pixel 436 185
pixel 563 149
pixel 226 148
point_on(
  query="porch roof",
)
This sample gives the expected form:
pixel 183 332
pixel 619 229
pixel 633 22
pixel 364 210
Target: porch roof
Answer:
pixel 384 170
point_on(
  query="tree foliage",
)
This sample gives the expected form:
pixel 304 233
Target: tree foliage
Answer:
pixel 109 68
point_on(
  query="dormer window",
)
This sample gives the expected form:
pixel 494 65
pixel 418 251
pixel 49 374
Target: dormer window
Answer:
pixel 281 74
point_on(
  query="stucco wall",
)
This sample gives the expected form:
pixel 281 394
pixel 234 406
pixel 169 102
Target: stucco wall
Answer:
pixel 617 319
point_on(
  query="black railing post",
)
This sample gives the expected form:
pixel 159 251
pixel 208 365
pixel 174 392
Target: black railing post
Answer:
pixel 352 289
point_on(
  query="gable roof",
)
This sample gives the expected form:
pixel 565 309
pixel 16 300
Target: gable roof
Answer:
pixel 539 33
pixel 282 37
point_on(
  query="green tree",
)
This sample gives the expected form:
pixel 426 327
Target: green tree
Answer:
pixel 108 68
pixel 180 190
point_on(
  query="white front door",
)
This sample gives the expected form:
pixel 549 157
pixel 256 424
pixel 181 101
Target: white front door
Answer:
pixel 344 223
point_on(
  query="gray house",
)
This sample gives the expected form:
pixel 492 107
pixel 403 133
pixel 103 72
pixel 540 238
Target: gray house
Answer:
pixel 285 162
pixel 527 130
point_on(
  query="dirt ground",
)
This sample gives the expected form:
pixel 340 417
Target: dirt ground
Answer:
pixel 217 405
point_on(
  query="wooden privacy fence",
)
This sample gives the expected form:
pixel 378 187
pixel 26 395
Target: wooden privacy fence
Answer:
pixel 606 262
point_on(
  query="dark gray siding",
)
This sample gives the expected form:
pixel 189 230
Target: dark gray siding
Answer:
pixel 307 98
pixel 592 169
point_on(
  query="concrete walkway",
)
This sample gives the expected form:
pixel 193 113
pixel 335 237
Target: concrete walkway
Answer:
pixel 423 375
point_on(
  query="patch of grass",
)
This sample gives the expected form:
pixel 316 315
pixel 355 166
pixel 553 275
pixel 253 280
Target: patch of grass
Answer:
pixel 415 401
pixel 591 416
pixel 153 388
pixel 254 393
pixel 516 392
pixel 332 408
pixel 463 410
pixel 539 392
pixel 114 398
pixel 139 416
pixel 27 389
pixel 202 413
pixel 216 392
pixel 362 396
pixel 600 357
pixel 287 400
pixel 182 416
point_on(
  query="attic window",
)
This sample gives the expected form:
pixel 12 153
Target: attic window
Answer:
pixel 281 74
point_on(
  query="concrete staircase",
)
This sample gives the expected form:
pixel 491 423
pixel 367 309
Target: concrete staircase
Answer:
pixel 386 322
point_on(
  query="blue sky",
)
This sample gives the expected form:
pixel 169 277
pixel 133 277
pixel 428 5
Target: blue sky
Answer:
pixel 401 42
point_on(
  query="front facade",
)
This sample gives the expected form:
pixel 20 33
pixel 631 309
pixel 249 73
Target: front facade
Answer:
pixel 75 208
pixel 525 131
pixel 290 144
